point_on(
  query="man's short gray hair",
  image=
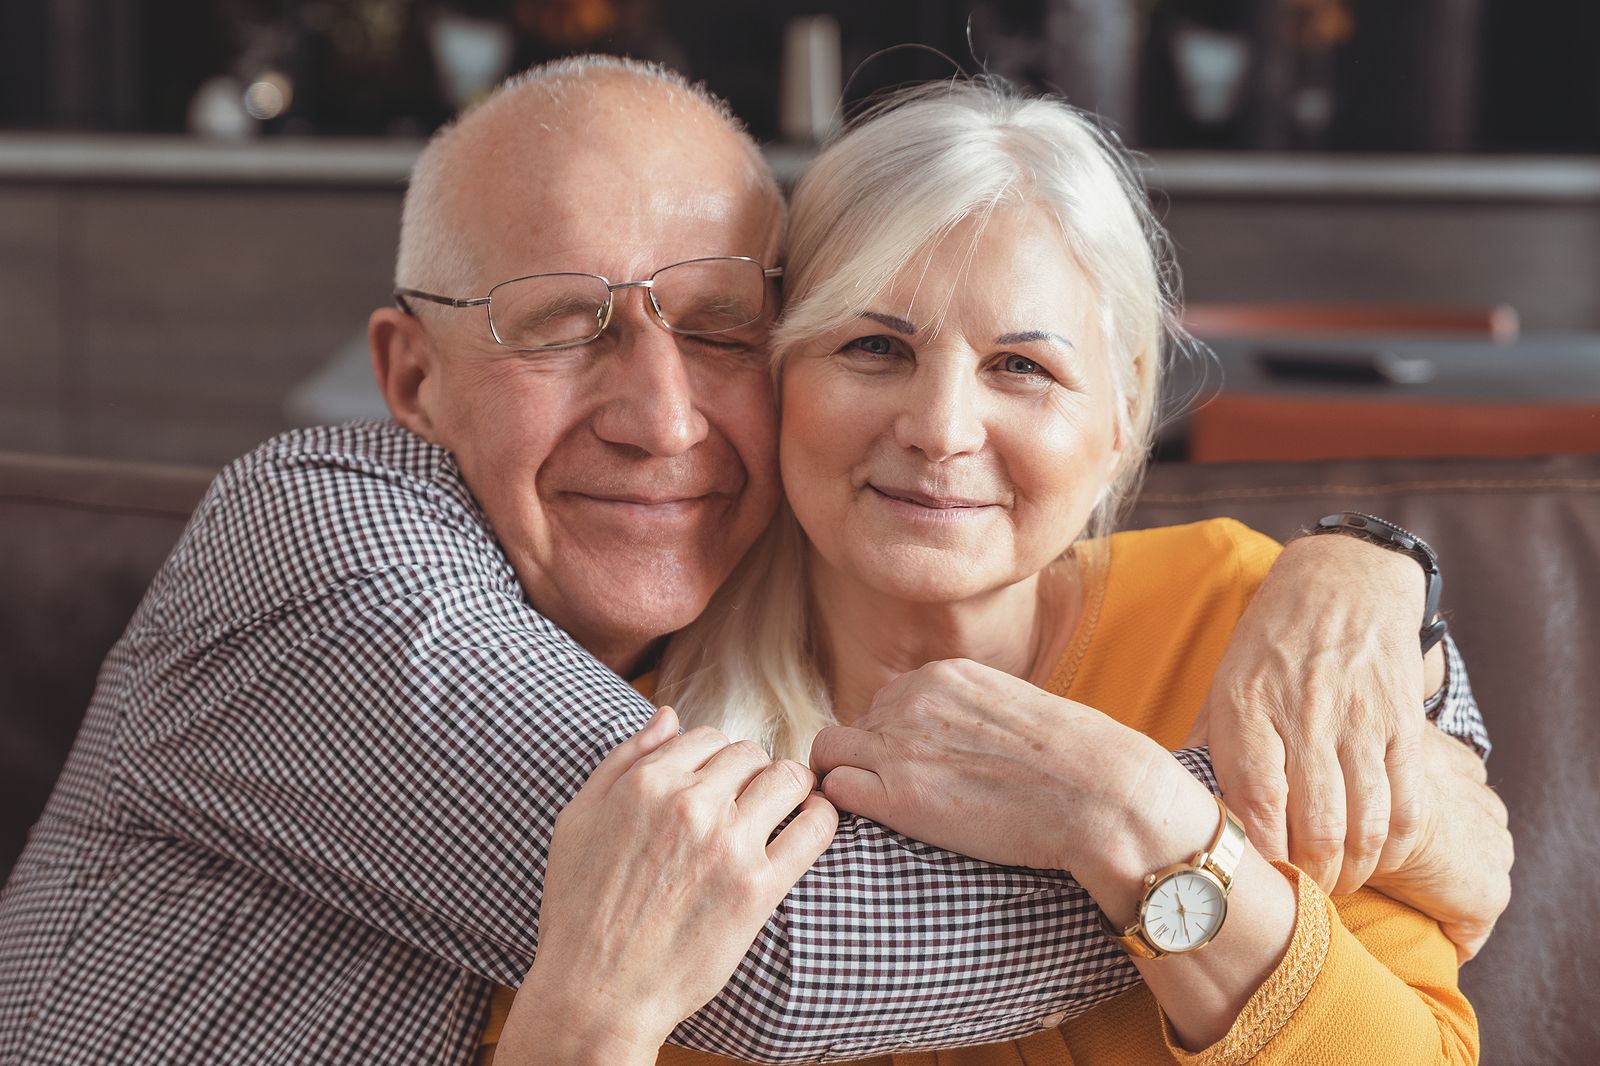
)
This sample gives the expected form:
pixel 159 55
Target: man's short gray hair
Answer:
pixel 434 253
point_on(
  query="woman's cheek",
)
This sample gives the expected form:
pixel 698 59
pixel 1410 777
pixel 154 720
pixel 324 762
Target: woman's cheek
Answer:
pixel 817 420
pixel 799 461
pixel 1059 465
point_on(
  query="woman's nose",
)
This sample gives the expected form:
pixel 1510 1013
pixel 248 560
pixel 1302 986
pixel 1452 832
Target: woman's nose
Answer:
pixel 941 415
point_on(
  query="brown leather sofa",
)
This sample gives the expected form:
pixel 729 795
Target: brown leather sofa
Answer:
pixel 1520 541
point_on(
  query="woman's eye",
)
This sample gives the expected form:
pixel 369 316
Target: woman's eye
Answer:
pixel 1016 364
pixel 877 344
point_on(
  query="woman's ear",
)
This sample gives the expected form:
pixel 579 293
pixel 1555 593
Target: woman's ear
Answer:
pixel 1122 435
pixel 403 360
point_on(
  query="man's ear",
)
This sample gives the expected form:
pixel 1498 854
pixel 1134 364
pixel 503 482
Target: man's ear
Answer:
pixel 403 360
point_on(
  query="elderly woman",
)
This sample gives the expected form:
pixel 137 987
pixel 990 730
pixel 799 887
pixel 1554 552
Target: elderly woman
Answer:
pixel 944 625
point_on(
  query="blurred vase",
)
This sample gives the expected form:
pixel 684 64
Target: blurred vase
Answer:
pixel 1211 67
pixel 471 54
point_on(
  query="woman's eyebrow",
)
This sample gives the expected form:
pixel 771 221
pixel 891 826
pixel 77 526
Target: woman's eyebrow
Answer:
pixel 899 325
pixel 1029 335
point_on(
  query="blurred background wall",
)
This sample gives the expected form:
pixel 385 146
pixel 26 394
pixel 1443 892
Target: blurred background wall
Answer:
pixel 1345 75
pixel 199 198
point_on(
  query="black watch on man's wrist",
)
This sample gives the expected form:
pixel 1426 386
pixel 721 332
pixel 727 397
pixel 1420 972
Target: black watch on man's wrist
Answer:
pixel 1386 534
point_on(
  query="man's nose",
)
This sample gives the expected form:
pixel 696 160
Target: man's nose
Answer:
pixel 941 414
pixel 651 403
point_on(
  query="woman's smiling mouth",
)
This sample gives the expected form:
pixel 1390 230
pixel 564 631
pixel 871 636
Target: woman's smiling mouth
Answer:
pixel 920 506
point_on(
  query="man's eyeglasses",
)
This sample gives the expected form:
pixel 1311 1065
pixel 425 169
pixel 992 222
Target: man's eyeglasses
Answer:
pixel 716 294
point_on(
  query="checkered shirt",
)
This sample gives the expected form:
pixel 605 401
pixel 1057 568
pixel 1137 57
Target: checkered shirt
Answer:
pixel 307 817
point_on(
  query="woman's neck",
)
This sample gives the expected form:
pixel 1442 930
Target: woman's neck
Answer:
pixel 869 637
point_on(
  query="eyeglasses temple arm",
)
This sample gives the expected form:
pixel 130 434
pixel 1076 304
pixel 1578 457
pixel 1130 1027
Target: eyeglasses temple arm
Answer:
pixel 433 297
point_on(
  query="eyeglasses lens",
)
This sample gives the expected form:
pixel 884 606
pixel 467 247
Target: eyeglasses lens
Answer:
pixel 547 310
pixel 709 295
pixel 697 296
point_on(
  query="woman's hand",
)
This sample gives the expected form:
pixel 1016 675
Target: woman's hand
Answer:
pixel 983 763
pixel 1460 871
pixel 660 876
pixel 980 762
pixel 1314 718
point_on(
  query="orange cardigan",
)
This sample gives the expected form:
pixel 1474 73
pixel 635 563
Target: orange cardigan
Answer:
pixel 1365 980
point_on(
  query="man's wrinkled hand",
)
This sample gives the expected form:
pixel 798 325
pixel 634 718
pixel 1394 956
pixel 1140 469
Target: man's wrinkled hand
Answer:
pixel 1459 873
pixel 662 870
pixel 1314 718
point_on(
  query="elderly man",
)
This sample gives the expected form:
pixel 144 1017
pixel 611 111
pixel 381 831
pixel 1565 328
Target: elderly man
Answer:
pixel 307 816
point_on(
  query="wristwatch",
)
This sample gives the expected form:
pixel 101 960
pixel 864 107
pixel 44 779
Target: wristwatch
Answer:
pixel 1184 904
pixel 1375 530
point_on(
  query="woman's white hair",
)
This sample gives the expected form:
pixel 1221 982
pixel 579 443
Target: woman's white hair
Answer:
pixel 876 199
pixel 434 251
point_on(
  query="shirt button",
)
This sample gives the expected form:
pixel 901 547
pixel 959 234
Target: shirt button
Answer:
pixel 1051 1021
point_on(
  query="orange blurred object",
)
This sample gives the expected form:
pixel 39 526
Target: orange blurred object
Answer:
pixel 1497 322
pixel 568 22
pixel 1245 426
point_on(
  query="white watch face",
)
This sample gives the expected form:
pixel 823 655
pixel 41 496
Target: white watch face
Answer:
pixel 1183 911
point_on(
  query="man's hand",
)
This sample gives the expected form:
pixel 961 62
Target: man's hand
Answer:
pixel 1460 871
pixel 1314 718
pixel 663 869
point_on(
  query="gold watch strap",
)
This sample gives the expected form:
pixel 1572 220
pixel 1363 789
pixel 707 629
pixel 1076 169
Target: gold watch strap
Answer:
pixel 1220 858
pixel 1132 939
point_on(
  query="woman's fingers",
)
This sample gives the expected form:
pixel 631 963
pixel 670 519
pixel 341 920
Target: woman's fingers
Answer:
pixel 805 838
pixel 859 791
pixel 848 760
pixel 662 727
pixel 774 792
pixel 842 745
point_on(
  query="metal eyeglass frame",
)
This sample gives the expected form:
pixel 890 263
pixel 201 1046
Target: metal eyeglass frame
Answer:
pixel 604 315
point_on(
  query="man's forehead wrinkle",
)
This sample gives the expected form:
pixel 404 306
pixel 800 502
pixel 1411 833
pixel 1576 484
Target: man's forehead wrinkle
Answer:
pixel 622 241
pixel 616 163
pixel 584 202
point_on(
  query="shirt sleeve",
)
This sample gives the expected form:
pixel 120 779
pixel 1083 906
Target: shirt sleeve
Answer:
pixel 336 681
pixel 1365 979
pixel 1454 709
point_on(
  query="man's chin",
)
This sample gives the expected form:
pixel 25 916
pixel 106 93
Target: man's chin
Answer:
pixel 623 617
